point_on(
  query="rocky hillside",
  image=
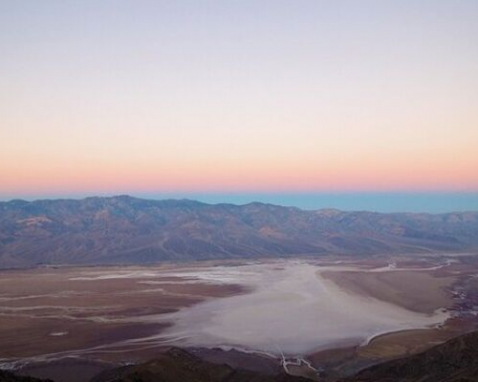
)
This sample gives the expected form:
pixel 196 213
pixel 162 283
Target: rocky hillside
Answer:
pixel 129 230
pixel 6 376
pixel 178 365
pixel 453 361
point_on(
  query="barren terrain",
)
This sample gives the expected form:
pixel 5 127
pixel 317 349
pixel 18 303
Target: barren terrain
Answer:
pixel 266 314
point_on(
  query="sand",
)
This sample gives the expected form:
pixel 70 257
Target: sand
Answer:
pixel 322 310
pixel 417 291
pixel 51 313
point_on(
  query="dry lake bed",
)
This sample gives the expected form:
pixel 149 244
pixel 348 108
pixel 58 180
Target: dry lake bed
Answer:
pixel 306 316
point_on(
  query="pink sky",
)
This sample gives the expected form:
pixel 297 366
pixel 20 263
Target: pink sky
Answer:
pixel 268 96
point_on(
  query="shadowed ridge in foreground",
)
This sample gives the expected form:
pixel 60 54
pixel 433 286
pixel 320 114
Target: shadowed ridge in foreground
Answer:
pixel 127 230
pixel 454 361
pixel 6 376
pixel 177 365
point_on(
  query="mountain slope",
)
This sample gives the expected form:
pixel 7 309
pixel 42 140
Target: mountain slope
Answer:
pixel 129 230
pixel 6 376
pixel 453 361
pixel 178 365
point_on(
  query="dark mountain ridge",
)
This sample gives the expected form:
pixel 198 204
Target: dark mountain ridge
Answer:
pixel 124 229
pixel 453 361
pixel 178 365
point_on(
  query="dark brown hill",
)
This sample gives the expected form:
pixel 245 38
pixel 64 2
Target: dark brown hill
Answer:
pixel 177 365
pixel 6 376
pixel 129 230
pixel 453 361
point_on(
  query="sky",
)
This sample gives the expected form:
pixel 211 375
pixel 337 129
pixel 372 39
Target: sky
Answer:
pixel 274 99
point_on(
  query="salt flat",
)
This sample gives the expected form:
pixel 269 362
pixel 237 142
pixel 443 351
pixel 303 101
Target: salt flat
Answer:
pixel 292 309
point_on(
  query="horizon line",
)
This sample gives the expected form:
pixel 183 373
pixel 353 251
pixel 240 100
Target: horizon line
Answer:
pixel 377 202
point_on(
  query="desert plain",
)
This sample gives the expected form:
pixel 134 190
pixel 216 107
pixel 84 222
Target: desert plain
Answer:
pixel 313 317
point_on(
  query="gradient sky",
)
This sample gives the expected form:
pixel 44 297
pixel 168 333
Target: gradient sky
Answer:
pixel 239 96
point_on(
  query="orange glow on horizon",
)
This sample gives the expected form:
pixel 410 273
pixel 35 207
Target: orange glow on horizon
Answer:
pixel 165 97
pixel 240 177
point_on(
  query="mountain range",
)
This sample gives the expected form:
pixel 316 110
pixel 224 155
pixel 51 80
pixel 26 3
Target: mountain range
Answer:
pixel 128 230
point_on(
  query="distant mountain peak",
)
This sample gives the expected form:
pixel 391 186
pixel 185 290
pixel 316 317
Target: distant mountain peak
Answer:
pixel 124 229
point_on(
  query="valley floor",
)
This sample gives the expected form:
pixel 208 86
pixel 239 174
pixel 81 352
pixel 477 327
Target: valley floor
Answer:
pixel 55 321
